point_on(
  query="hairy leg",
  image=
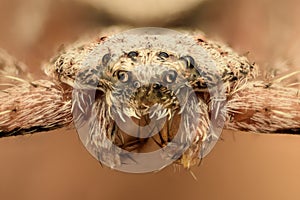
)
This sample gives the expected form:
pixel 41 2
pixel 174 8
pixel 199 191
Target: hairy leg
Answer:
pixel 33 107
pixel 264 107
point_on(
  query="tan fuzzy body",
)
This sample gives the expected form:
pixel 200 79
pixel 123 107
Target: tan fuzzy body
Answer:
pixel 251 104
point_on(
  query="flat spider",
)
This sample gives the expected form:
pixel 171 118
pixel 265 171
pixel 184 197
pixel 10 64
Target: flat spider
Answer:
pixel 125 90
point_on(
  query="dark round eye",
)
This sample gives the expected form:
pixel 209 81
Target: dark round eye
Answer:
pixel 157 86
pixel 123 76
pixel 170 76
pixel 136 84
pixel 190 62
pixel 132 54
pixel 163 55
pixel 106 59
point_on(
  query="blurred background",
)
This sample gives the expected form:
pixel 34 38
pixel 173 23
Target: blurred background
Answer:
pixel 55 165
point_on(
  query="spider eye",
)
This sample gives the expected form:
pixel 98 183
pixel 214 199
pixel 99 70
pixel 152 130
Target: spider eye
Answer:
pixel 170 76
pixel 123 76
pixel 136 84
pixel 105 59
pixel 132 54
pixel 163 55
pixel 190 62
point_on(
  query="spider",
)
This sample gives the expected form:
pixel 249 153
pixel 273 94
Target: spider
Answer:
pixel 127 89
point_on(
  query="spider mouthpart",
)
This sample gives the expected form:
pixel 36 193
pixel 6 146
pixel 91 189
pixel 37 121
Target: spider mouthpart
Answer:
pixel 105 59
pixel 190 62
pixel 170 76
pixel 123 76
pixel 163 55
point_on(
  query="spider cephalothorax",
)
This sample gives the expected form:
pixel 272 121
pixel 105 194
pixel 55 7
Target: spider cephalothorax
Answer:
pixel 141 78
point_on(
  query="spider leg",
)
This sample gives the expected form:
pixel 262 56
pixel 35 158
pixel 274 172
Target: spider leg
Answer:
pixel 264 107
pixel 29 108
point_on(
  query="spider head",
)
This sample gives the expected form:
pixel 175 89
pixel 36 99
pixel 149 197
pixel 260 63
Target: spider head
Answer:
pixel 140 80
pixel 152 88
